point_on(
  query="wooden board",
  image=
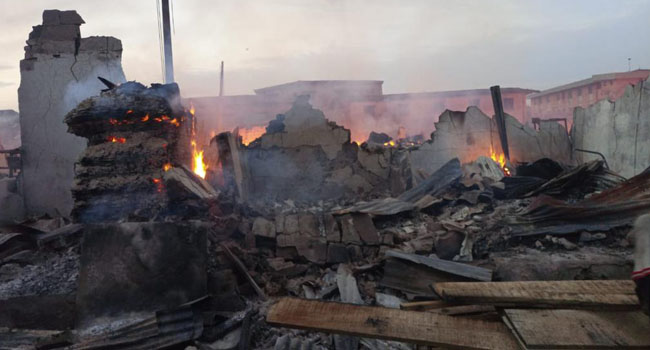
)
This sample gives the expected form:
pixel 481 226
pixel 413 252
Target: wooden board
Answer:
pixel 425 305
pixel 618 294
pixel 454 268
pixel 580 329
pixel 391 324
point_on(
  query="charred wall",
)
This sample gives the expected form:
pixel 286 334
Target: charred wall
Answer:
pixel 471 134
pixel 59 70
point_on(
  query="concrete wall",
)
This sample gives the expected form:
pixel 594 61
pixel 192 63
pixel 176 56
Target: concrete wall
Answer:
pixel 620 130
pixel 471 134
pixel 59 70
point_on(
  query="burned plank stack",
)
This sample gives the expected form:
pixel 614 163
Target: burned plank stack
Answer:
pixel 135 134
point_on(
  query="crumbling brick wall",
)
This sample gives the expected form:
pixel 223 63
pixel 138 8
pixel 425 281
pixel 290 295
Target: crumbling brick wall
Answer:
pixel 59 70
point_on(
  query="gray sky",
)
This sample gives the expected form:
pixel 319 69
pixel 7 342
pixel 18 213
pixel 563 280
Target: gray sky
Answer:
pixel 412 45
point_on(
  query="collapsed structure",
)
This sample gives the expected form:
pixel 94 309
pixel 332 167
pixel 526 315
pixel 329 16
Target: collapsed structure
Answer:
pixel 461 240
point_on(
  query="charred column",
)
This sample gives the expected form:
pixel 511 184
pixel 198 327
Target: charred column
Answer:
pixel 135 136
pixel 500 119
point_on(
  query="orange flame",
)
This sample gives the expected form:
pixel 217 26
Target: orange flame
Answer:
pixel 501 160
pixel 167 166
pixel 198 165
pixel 159 184
pixel 251 134
pixel 390 143
pixel 115 139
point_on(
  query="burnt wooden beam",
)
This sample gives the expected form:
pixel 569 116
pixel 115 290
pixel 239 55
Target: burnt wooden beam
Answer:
pixel 423 328
pixel 500 119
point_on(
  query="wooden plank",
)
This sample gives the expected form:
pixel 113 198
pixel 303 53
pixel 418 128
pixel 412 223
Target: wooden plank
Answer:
pixel 617 294
pixel 391 324
pixel 242 268
pixel 458 269
pixel 580 329
pixel 425 305
pixel 461 310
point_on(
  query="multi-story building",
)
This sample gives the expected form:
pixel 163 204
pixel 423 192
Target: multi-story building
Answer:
pixel 559 102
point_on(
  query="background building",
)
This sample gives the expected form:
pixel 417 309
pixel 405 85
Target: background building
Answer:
pixel 559 102
pixel 359 105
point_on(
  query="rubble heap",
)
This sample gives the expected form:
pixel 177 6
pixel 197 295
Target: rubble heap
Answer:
pixel 135 135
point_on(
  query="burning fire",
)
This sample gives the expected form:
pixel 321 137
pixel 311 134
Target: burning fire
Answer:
pixel 159 184
pixel 251 134
pixel 115 139
pixel 167 166
pixel 390 143
pixel 198 166
pixel 501 160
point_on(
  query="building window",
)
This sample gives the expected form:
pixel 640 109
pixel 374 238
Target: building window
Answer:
pixel 508 103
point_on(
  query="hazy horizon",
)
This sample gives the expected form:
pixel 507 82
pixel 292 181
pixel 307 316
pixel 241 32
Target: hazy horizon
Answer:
pixel 412 46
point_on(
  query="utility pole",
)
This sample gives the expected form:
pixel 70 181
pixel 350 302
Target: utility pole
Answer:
pixel 221 81
pixel 167 41
pixel 629 64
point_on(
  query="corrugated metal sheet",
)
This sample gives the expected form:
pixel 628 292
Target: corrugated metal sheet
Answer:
pixel 614 207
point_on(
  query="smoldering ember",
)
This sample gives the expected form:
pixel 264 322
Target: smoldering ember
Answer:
pixel 316 214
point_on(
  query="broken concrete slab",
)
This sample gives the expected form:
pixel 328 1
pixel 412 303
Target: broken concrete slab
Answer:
pixel 308 225
pixel 349 232
pixel 263 227
pixel 131 268
pixel 337 253
pixel 365 228
pixel 291 224
pixel 332 231
pixel 313 249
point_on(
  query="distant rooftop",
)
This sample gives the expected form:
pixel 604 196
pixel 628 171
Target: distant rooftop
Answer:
pixel 455 93
pixel 314 83
pixel 639 73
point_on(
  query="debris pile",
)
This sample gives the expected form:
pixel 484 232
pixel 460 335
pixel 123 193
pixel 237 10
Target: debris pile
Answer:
pixel 380 254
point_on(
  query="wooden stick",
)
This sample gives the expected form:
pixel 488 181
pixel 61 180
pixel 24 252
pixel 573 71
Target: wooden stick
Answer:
pixel 240 266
